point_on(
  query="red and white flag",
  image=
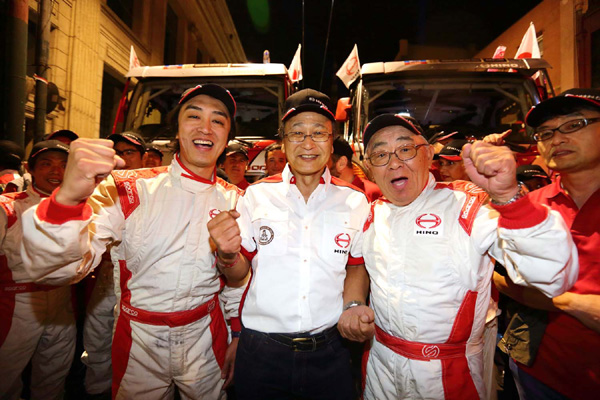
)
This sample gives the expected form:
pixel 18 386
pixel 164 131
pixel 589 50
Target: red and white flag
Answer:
pixel 529 46
pixel 500 51
pixel 295 69
pixel 134 61
pixel 350 70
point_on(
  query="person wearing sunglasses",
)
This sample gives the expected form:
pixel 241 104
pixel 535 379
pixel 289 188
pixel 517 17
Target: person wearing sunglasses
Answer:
pixel 427 247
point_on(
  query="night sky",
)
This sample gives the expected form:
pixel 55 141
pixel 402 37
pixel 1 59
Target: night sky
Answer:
pixel 376 26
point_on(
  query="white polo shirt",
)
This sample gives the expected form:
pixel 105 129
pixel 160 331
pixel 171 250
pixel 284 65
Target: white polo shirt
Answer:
pixel 300 251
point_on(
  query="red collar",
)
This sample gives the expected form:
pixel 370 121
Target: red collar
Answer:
pixel 190 175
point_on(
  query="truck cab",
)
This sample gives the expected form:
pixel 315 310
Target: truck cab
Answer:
pixel 259 90
pixel 476 97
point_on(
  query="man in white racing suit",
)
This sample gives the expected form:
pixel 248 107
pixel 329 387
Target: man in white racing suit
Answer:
pixel 36 321
pixel 169 329
pixel 426 247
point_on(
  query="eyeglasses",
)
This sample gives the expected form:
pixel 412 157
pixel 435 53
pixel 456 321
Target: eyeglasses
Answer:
pixel 126 153
pixel 402 153
pixel 567 127
pixel 298 137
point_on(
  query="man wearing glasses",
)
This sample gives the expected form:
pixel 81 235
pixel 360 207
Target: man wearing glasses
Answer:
pixel 427 249
pixel 300 228
pixel 568 138
pixel 130 147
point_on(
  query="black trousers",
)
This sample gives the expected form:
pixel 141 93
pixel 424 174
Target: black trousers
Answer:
pixel 266 368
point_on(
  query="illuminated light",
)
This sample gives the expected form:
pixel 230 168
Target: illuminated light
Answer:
pixel 259 14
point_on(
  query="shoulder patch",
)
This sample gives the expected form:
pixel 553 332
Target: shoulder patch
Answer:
pixel 476 197
pixel 125 181
pixel 7 204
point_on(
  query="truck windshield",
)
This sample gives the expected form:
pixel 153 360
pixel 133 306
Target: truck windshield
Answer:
pixel 471 105
pixel 257 115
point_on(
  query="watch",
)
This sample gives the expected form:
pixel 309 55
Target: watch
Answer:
pixel 521 192
pixel 351 304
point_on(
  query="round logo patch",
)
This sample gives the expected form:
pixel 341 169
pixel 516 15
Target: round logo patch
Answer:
pixel 265 236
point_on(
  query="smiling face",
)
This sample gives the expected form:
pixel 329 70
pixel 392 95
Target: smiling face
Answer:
pixel 48 170
pixel 204 126
pixel 275 162
pixel 235 167
pixel 401 182
pixel 572 152
pixel 308 157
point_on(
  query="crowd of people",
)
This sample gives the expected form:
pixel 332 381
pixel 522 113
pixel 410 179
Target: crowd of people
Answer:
pixel 406 280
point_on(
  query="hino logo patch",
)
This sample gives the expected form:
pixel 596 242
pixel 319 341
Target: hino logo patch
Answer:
pixel 265 236
pixel 428 225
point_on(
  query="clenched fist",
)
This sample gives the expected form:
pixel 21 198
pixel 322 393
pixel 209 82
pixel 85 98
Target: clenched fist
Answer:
pixel 89 162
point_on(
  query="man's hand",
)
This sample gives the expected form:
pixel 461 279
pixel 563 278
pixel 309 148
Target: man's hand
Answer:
pixel 89 162
pixel 228 366
pixel 493 168
pixel 357 323
pixel 225 234
pixel 584 307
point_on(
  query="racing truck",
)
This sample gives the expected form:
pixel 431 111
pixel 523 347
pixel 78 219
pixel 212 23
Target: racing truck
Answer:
pixel 259 90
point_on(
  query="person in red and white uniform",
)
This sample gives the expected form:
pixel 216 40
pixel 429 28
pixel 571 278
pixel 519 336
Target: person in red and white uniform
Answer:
pixel 235 164
pixel 169 330
pixel 36 321
pixel 300 229
pixel 426 247
pixel 567 366
pixel 11 157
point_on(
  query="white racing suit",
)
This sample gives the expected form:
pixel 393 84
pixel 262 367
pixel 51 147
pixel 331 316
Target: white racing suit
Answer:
pixel 430 284
pixel 169 327
pixel 36 321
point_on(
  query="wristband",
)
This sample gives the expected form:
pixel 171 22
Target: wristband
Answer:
pixel 235 334
pixel 221 264
pixel 353 303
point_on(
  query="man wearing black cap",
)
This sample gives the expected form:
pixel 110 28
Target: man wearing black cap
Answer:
pixel 236 161
pixel 533 176
pixel 450 162
pixel 426 250
pixel 567 131
pixel 131 147
pixel 153 158
pixel 169 327
pixel 300 229
pixel 62 135
pixel 11 157
pixel 37 320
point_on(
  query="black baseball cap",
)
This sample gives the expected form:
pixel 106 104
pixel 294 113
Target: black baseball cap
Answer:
pixel 565 103
pixel 236 148
pixel 526 172
pixel 44 146
pixel 212 90
pixel 62 132
pixel 385 120
pixel 156 150
pixel 452 150
pixel 308 100
pixel 130 137
pixel 11 154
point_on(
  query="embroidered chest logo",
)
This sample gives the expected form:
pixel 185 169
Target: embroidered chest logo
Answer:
pixel 342 240
pixel 265 235
pixel 428 225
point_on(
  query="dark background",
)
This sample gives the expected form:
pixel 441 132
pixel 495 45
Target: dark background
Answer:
pixel 376 26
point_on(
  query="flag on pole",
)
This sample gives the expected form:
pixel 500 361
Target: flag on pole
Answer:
pixel 500 51
pixel 295 69
pixel 529 46
pixel 134 61
pixel 350 70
